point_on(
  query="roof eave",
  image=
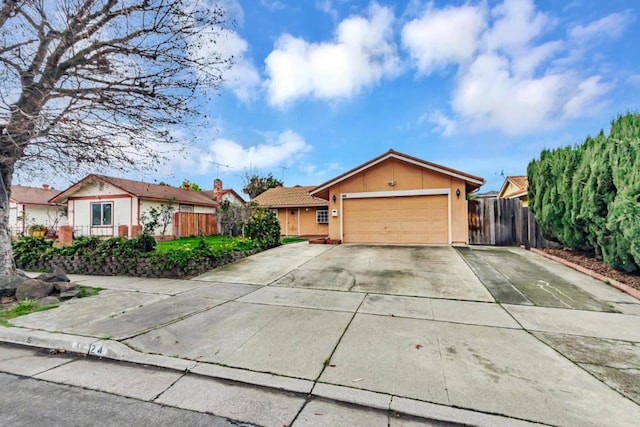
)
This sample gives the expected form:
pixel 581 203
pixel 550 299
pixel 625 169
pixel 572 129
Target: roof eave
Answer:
pixel 474 180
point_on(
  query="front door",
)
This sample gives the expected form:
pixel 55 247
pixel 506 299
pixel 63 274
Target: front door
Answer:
pixel 292 222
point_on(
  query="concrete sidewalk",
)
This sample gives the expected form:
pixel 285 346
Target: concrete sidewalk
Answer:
pixel 399 329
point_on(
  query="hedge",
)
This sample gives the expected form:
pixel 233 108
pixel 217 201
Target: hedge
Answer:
pixel 587 197
pixel 120 256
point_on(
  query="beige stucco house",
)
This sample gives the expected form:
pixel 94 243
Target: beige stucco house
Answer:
pixel 299 213
pixel 99 205
pixel 30 206
pixel 515 187
pixel 397 198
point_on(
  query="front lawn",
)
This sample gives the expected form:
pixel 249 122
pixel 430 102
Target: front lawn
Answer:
pixel 214 242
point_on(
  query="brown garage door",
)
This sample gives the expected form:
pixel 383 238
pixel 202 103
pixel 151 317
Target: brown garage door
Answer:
pixel 407 219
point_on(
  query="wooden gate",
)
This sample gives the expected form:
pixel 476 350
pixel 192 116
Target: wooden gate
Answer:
pixel 504 222
pixel 195 224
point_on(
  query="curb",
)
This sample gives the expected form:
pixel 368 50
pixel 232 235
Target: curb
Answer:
pixel 114 350
pixel 616 284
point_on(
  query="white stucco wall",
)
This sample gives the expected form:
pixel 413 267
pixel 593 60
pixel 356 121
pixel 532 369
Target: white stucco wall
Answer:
pixel 22 216
pixel 232 199
pixel 124 211
pixel 146 205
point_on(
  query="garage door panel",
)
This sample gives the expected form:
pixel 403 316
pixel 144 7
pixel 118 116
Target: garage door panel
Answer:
pixel 414 219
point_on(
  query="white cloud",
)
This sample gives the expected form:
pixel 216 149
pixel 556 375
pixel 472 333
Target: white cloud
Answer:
pixel 442 124
pixel 589 93
pixel 283 149
pixel 361 54
pixel 273 4
pixel 517 24
pixel 506 79
pixel 242 78
pixel 326 6
pixel 443 36
pixel 490 96
pixel 610 26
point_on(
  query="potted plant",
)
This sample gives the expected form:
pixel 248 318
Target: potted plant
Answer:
pixel 37 230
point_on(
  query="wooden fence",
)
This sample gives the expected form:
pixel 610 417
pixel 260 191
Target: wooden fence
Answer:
pixel 194 224
pixel 504 222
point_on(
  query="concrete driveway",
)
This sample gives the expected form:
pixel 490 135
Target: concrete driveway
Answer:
pixel 496 332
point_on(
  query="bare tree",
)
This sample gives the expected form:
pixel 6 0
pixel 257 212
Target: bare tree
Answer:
pixel 99 83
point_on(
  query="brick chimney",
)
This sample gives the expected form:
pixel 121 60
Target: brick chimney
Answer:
pixel 45 186
pixel 217 190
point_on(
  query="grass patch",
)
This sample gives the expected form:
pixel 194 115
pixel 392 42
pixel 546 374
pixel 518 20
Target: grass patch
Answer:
pixel 214 242
pixel 286 240
pixel 88 291
pixel 23 308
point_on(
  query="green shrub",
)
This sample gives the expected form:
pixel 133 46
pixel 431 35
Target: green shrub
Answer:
pixel 588 196
pixel 28 250
pixel 137 256
pixel 143 243
pixel 264 229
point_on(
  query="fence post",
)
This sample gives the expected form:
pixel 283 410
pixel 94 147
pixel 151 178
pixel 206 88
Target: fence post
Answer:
pixel 123 231
pixel 65 235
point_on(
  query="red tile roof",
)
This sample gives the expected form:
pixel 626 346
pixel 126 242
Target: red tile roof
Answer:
pixel 144 190
pixel 521 182
pixel 289 197
pixel 32 195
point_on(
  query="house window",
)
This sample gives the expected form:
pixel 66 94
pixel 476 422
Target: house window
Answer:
pixel 322 216
pixel 186 208
pixel 101 214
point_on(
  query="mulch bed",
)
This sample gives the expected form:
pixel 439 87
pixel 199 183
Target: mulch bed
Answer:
pixel 589 261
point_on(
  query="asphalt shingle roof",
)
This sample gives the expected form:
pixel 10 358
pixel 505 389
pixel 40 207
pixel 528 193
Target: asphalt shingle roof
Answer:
pixel 145 190
pixel 32 195
pixel 289 197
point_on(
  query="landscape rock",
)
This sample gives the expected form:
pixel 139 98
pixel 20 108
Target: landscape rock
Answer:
pixel 34 289
pixel 22 274
pixel 50 300
pixel 71 293
pixel 56 276
pixel 62 287
pixel 9 284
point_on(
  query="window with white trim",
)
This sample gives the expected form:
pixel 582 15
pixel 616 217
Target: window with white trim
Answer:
pixel 101 214
pixel 322 215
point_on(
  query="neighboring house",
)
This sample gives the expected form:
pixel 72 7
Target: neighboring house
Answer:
pixel 102 205
pixel 299 213
pixel 396 198
pixel 30 206
pixel 486 195
pixel 219 194
pixel 515 187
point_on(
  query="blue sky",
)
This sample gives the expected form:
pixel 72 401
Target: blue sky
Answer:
pixel 321 86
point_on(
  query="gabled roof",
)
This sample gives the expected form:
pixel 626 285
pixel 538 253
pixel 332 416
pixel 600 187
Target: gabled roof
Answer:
pixel 224 192
pixel 142 190
pixel 520 184
pixel 472 181
pixel 298 196
pixel 32 195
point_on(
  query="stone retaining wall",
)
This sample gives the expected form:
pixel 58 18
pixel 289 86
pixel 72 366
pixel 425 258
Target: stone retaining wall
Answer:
pixel 140 267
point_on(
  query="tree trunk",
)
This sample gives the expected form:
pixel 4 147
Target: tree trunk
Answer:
pixel 7 265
